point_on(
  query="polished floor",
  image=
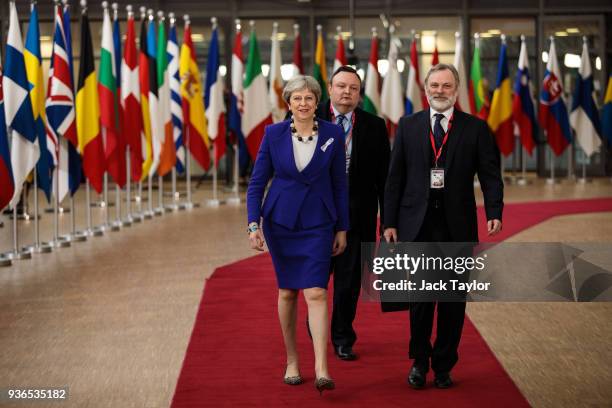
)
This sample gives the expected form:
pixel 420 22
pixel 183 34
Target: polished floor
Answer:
pixel 110 318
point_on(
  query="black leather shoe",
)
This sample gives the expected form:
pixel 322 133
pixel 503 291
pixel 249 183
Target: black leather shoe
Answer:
pixel 443 380
pixel 416 378
pixel 345 353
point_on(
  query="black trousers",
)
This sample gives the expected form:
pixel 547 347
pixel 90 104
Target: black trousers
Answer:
pixel 451 315
pixel 347 285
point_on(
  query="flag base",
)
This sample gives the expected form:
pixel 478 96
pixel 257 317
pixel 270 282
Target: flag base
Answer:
pixel 214 203
pixel 159 211
pixel 19 255
pixel 172 207
pixel 60 243
pixel 234 201
pixel 42 248
pixel 127 222
pixel 78 236
pixel 95 232
pixel 4 261
pixel 148 215
pixel 116 226
pixel 552 181
pixel 102 204
pixel 137 217
pixel 191 206
pixel 522 181
pixel 584 180
pixel 60 210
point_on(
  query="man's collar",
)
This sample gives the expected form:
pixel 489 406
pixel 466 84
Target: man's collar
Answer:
pixel 447 113
pixel 337 113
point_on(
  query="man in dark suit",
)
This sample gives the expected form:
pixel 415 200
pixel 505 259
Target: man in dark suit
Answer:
pixel 429 197
pixel 367 157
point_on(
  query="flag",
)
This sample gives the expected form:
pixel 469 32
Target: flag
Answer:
pixel 121 141
pixel 175 96
pixel 415 96
pixel 298 63
pixel 500 116
pixel 584 117
pixel 6 173
pixel 33 65
pixel 275 95
pixel 340 59
pixel 606 115
pixel 320 67
pixel 371 98
pixel 435 58
pixel 463 98
pixel 479 99
pixel 193 101
pixel 157 132
pixel 391 98
pixel 167 158
pixel 61 125
pixel 25 149
pixel 256 115
pixel 143 80
pixel 75 162
pixel 213 97
pixel 523 111
pixel 130 100
pixel 88 112
pixel 552 111
pixel 109 104
pixel 236 102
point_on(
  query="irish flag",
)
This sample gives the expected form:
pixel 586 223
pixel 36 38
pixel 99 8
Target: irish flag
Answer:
pixel 371 99
pixel 256 115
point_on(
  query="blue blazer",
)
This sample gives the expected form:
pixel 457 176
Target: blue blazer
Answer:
pixel 315 196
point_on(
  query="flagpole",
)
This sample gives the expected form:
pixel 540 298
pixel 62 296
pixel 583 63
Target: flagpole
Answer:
pixel 173 206
pixel 571 176
pixel 38 247
pixel 522 181
pixel 138 216
pixel 235 200
pixel 160 196
pixel 127 222
pixel 148 214
pixel 74 234
pixel 17 254
pixel 551 179
pixel 57 241
pixel 189 204
pixel 95 232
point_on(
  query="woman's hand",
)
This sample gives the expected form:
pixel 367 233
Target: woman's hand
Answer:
pixel 257 241
pixel 339 243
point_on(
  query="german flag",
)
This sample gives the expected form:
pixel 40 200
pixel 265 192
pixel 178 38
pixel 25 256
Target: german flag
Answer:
pixel 88 112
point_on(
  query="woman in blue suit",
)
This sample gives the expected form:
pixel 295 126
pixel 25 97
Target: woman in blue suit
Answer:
pixel 305 216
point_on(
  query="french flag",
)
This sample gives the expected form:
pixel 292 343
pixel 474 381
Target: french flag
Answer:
pixel 213 98
pixel 235 115
pixel 553 112
pixel 523 110
pixel 584 117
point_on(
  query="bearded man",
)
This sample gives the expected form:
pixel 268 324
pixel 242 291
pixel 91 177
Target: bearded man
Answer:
pixel 429 197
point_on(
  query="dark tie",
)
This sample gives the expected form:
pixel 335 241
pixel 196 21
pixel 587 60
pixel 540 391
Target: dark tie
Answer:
pixel 340 120
pixel 438 130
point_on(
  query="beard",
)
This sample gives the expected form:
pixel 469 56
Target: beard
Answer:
pixel 441 103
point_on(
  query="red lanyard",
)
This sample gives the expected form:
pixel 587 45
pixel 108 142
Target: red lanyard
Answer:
pixel 438 153
pixel 348 135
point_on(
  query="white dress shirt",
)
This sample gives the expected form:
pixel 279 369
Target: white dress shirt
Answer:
pixel 444 122
pixel 303 151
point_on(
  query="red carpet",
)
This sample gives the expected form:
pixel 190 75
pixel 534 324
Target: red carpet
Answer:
pixel 235 356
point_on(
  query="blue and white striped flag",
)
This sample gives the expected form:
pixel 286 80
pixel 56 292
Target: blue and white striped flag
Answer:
pixel 175 96
pixel 25 149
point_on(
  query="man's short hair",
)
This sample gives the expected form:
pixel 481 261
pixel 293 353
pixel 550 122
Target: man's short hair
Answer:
pixel 300 83
pixel 344 68
pixel 443 67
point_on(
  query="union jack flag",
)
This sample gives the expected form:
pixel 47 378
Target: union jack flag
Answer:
pixel 61 124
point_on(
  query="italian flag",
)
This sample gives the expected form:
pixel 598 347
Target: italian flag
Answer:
pixel 371 99
pixel 479 101
pixel 167 158
pixel 256 115
pixel 320 70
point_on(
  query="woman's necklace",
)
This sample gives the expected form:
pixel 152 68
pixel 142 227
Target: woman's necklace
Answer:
pixel 315 128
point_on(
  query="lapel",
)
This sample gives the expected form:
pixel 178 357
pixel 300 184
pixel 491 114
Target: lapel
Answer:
pixel 284 147
pixel 423 129
pixel 319 158
pixel 453 137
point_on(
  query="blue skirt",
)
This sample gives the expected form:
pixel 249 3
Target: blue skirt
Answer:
pixel 301 257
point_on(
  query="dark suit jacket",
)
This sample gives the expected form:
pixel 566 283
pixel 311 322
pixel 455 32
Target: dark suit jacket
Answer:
pixel 367 171
pixel 471 150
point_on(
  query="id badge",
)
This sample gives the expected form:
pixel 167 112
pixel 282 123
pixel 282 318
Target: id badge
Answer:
pixel 437 178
